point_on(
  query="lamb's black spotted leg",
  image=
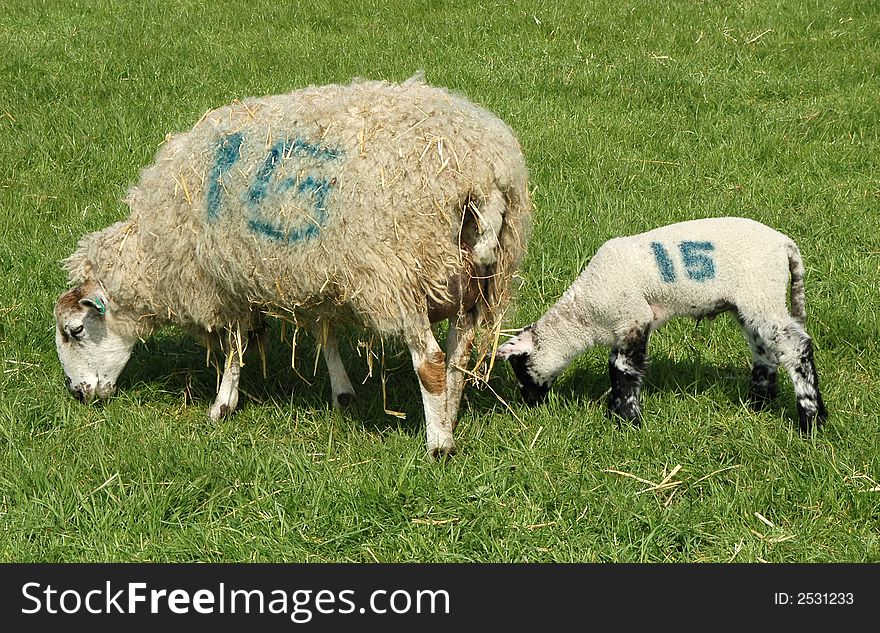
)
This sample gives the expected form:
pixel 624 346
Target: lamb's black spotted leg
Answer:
pixel 784 341
pixel 626 366
pixel 802 369
pixel 765 364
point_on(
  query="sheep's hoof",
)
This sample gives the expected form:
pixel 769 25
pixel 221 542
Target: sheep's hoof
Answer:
pixel 445 451
pixel 344 399
pixel 759 404
pixel 219 412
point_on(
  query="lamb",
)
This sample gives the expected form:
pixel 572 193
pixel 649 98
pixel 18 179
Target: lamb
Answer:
pixel 698 268
pixel 387 206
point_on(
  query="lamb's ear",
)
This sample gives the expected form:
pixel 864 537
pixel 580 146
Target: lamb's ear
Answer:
pixel 95 300
pixel 522 343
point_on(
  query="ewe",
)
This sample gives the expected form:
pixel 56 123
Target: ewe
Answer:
pixel 389 206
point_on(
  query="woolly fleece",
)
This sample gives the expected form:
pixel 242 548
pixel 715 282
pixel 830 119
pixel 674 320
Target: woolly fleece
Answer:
pixel 344 202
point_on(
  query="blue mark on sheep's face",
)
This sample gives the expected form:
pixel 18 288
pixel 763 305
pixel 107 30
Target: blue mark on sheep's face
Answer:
pixel 698 264
pixel 263 198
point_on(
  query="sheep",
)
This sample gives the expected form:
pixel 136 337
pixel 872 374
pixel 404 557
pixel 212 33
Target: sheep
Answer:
pixel 382 205
pixel 698 268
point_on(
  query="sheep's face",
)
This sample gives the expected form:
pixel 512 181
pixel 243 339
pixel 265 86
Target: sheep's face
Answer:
pixel 519 351
pixel 92 349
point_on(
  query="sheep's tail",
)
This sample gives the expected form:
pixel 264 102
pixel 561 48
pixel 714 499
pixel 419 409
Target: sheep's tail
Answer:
pixel 798 295
pixel 504 222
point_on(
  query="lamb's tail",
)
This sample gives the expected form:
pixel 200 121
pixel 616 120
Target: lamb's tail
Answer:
pixel 798 296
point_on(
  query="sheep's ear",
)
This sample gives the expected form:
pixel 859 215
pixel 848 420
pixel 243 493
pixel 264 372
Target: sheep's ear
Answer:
pixel 522 343
pixel 96 301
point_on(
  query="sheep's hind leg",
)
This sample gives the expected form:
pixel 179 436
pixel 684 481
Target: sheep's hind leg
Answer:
pixel 765 365
pixel 627 364
pixel 458 348
pixel 340 385
pixel 796 355
pixel 227 395
pixel 430 366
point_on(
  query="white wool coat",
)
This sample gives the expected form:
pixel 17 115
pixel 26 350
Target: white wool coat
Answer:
pixel 694 268
pixel 340 201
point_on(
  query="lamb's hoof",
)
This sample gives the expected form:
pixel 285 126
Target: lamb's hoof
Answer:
pixel 759 404
pixel 760 400
pixel 445 451
pixel 811 417
pixel 344 399
pixel 633 418
pixel 806 423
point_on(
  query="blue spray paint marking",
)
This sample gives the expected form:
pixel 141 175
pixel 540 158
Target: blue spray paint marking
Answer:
pixel 698 266
pixel 303 147
pixel 227 154
pixel 280 234
pixel 257 192
pixel 315 188
pixel 318 189
pixel 664 263
pixel 285 149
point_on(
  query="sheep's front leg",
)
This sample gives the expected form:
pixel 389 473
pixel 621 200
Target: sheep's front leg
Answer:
pixel 227 396
pixel 458 349
pixel 626 366
pixel 430 366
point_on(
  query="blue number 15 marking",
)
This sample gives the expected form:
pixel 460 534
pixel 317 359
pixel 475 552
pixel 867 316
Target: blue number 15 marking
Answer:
pixel 698 265
pixel 315 188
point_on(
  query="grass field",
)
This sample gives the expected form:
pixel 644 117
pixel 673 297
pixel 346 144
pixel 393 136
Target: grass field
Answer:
pixel 631 115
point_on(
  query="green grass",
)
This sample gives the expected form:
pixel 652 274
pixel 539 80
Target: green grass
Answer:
pixel 631 115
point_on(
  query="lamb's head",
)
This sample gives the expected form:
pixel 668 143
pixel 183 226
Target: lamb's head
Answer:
pixel 520 352
pixel 93 345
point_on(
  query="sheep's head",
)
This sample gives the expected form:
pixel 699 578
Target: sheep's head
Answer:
pixel 519 351
pixel 92 345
